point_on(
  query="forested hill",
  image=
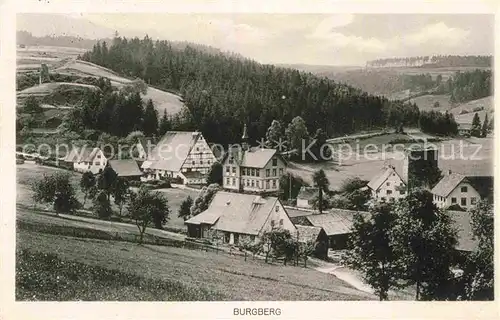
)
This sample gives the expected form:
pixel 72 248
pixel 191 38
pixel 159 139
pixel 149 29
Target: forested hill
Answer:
pixel 224 92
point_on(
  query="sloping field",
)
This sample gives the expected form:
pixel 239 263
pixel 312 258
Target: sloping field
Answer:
pixel 486 103
pixel 48 88
pixel 162 100
pixel 473 156
pixel 427 102
pixel 230 276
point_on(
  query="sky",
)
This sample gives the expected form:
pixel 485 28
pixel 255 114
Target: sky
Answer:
pixel 317 39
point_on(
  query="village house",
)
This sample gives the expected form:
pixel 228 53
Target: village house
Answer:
pixel 336 223
pixel 141 148
pixel 126 168
pixel 86 159
pixel 464 129
pixel 387 185
pixel 237 217
pixel 455 189
pixel 305 196
pixel 178 155
pixel 255 170
pixel 314 235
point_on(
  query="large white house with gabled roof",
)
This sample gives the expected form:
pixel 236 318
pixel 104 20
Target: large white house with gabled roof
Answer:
pixel 177 155
pixel 238 217
pixel 255 170
pixel 86 159
pixel 387 185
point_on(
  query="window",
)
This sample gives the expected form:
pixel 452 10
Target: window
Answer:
pixel 281 222
pixel 234 169
pixel 268 172
pixel 257 172
pixel 463 201
pixel 281 171
pixel 97 163
pixel 197 149
pixel 252 172
pixel 231 160
pixel 242 170
pixel 234 182
pixel 274 183
pixel 272 223
pixel 275 162
pixel 274 172
pixel 388 184
pixel 277 208
pixel 253 183
pixel 463 189
pixel 227 181
pixel 193 162
pixel 383 199
pixel 227 169
pixel 389 191
pixel 267 184
pixel 201 161
pixel 453 200
pixel 209 161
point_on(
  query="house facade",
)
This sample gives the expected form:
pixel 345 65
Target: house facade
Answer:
pixel 305 196
pixel 253 170
pixel 235 217
pixel 464 191
pixel 87 159
pixel 178 153
pixel 387 185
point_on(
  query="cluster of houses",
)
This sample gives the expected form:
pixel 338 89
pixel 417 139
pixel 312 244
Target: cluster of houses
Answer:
pixel 249 206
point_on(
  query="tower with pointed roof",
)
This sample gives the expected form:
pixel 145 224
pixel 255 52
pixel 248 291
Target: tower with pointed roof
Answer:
pixel 244 139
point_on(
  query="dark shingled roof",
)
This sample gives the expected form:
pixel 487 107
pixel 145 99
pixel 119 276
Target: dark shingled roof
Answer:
pixel 308 233
pixel 125 167
pixel 482 184
pixel 336 221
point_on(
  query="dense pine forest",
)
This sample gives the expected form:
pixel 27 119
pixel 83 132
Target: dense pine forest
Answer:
pixel 224 91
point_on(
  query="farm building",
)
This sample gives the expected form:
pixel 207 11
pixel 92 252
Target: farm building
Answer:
pixel 337 224
pixel 464 129
pixel 305 196
pixel 86 159
pixel 387 185
pixel 315 235
pixel 256 170
pixel 178 153
pixel 142 147
pixel 455 189
pixel 238 217
pixel 126 168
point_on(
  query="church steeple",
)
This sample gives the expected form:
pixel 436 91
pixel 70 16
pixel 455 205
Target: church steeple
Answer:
pixel 244 138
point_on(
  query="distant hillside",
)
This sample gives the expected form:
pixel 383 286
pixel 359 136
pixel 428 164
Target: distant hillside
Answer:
pixel 439 61
pixel 25 38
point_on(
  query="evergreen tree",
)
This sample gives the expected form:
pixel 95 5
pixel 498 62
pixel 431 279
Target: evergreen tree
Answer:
pixel 275 134
pixel 485 128
pixel 476 126
pixel 321 182
pixel 150 122
pixel 86 183
pixel 215 174
pixel 165 124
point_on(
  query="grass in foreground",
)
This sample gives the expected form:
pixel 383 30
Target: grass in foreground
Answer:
pixel 47 277
pixel 230 277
